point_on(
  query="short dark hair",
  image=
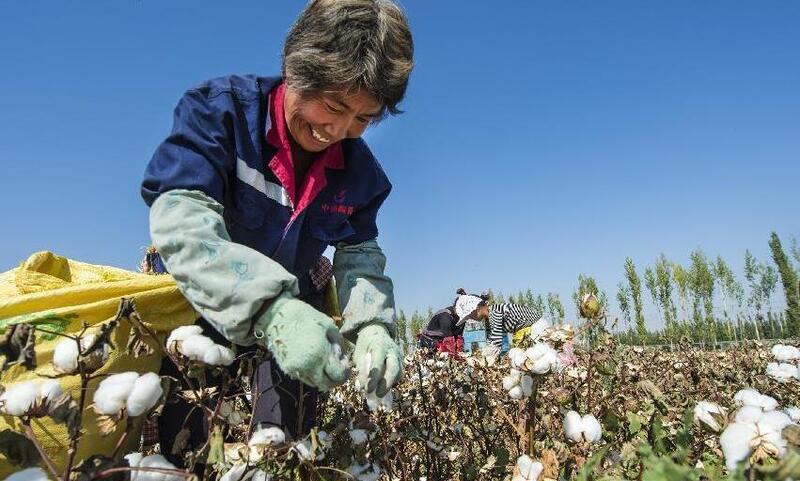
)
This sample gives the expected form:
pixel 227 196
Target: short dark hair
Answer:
pixel 352 45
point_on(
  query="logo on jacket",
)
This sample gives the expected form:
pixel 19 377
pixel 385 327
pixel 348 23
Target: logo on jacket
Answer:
pixel 338 206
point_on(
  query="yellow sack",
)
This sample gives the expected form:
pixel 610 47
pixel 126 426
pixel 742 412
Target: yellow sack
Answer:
pixel 519 336
pixel 59 294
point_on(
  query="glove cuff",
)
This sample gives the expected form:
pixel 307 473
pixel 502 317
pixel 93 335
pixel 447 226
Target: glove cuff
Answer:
pixel 273 309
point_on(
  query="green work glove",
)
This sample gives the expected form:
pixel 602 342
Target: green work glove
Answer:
pixel 305 342
pixel 378 359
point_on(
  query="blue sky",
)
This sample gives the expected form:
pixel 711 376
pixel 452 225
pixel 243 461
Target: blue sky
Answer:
pixel 541 139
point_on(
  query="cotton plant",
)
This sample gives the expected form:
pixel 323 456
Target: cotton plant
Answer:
pixel 129 393
pixel 32 398
pixel 66 354
pixel 710 415
pixel 189 342
pixel 518 384
pixel 139 460
pixel 527 469
pixel 754 435
pixel 584 428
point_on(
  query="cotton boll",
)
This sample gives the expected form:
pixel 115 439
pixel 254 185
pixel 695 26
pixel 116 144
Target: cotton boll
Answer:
pixel 358 436
pixel 748 414
pixel 180 334
pixel 784 353
pixel 65 355
pixel 735 443
pixel 145 394
pixel 19 398
pixel 710 415
pixel 538 328
pixel 541 358
pixel 218 356
pixel 777 420
pixel 30 474
pixel 751 397
pixel 517 357
pixel 793 413
pixel 113 392
pixel 582 428
pixel 527 469
pixel 782 372
pixel 592 430
pixel 573 426
pixel 267 436
pixel 136 460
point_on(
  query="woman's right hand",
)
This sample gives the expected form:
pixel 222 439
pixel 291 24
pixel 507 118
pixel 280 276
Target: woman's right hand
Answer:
pixel 305 342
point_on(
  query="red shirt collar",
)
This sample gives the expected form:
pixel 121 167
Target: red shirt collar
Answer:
pixel 282 163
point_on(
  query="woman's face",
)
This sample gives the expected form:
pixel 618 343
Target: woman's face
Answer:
pixel 315 122
pixel 482 312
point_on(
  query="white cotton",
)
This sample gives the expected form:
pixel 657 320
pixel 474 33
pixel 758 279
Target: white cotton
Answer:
pixel 325 439
pixel 65 355
pixel 19 398
pixel 518 385
pixel 793 413
pixel 358 436
pixel 586 428
pixel 748 414
pixel 527 469
pixel 145 394
pixel 200 348
pixel 136 460
pixel 740 438
pixel 517 357
pixel 303 450
pixel 113 392
pixel 541 358
pixel 180 334
pixel 784 353
pixel 751 397
pixel 385 403
pixel 735 443
pixel 237 473
pixel 783 372
pixel 538 328
pixel 30 474
pixel 365 472
pixel 777 420
pixel 267 436
pixel 709 414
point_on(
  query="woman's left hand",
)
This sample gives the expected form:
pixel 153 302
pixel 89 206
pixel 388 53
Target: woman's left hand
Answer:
pixel 378 359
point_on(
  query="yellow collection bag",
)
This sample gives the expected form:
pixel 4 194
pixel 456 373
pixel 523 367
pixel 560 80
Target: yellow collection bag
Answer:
pixel 520 335
pixel 60 295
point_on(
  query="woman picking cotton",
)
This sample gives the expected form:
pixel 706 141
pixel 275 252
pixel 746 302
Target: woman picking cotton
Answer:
pixel 445 329
pixel 259 176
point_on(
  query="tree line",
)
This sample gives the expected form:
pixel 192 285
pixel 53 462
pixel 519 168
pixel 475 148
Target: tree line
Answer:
pixel 703 301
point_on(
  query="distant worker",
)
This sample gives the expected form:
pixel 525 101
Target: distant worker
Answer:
pixel 506 317
pixel 445 329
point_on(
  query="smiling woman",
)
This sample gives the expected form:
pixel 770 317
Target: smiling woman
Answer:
pixel 259 176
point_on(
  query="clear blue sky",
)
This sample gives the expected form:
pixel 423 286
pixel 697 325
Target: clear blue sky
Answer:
pixel 541 139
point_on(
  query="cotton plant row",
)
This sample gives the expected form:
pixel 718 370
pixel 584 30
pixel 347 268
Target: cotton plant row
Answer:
pixel 546 410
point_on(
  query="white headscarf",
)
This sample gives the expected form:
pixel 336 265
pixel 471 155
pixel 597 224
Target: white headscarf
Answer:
pixel 466 305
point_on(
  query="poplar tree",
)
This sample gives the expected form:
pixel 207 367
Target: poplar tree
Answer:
pixel 636 295
pixel 790 286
